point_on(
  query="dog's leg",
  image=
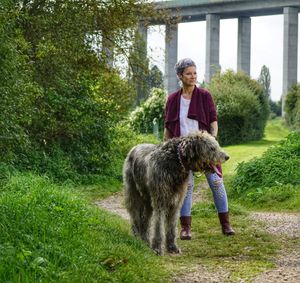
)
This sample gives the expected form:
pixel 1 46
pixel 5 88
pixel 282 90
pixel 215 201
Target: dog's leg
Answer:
pixel 133 202
pixel 172 229
pixel 140 211
pixel 159 232
pixel 145 221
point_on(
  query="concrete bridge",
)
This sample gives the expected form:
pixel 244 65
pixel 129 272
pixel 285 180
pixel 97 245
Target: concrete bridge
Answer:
pixel 212 11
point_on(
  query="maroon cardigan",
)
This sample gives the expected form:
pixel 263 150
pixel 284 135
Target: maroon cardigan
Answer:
pixel 202 109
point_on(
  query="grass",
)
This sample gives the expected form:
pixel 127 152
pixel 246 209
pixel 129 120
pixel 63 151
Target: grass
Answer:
pixel 245 255
pixel 105 187
pixel 278 196
pixel 274 132
pixel 51 233
pixel 48 234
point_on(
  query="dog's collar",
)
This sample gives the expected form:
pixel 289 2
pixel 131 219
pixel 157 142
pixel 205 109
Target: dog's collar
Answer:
pixel 179 155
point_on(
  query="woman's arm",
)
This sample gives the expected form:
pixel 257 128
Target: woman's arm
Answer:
pixel 214 129
pixel 167 134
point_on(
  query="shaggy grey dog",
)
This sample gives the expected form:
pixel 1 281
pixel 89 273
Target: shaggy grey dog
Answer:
pixel 155 180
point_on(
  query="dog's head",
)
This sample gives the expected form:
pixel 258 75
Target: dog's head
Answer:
pixel 202 152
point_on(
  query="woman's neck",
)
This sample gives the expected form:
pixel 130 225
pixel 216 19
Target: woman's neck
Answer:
pixel 187 91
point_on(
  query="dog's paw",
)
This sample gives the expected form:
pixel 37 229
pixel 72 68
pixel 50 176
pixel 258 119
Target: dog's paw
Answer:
pixel 158 251
pixel 173 249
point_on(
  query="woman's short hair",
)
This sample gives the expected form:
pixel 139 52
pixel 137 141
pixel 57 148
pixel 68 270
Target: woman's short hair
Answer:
pixel 182 64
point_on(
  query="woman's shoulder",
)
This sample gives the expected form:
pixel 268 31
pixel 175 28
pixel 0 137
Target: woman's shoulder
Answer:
pixel 173 95
pixel 203 92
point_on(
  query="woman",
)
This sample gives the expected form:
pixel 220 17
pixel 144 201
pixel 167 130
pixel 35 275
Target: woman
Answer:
pixel 188 110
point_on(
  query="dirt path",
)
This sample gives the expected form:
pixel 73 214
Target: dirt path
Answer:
pixel 284 224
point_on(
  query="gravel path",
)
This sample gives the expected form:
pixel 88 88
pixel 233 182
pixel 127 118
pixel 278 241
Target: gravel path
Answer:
pixel 285 224
pixel 288 263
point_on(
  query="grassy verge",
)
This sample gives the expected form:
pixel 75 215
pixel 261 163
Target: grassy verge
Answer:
pixel 104 187
pixel 48 234
pixel 265 183
pixel 275 131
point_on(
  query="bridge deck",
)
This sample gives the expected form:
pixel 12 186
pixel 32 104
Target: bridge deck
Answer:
pixel 195 10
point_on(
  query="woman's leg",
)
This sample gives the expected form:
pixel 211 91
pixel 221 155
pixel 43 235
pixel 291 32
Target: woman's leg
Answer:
pixel 221 202
pixel 185 212
pixel 186 207
pixel 218 190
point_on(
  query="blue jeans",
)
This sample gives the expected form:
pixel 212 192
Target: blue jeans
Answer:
pixel 218 190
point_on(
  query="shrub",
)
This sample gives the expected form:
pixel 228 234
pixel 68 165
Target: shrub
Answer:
pixel 141 119
pixel 122 141
pixel 275 108
pixel 277 169
pixel 72 130
pixel 17 91
pixel 292 107
pixel 241 105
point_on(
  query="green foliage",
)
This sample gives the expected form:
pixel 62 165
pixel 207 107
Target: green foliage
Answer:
pixel 77 125
pixel 94 186
pixel 123 141
pixel 141 119
pixel 48 234
pixel 60 102
pixel 274 177
pixel 265 80
pixel 242 107
pixel 275 108
pixel 155 78
pixel 16 88
pixel 292 107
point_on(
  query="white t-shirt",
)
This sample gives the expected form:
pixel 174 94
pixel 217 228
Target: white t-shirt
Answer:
pixel 187 125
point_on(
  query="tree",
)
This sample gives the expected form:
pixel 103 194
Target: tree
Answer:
pixel 292 107
pixel 265 80
pixel 58 81
pixel 155 78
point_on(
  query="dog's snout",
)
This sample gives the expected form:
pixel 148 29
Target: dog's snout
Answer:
pixel 226 157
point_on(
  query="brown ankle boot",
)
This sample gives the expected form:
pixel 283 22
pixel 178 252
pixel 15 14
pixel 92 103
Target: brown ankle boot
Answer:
pixel 185 222
pixel 224 220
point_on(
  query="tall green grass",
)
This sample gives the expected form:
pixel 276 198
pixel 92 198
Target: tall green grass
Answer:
pixel 275 131
pixel 263 175
pixel 48 234
pixel 271 181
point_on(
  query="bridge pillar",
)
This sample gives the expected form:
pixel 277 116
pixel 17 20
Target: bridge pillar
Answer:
pixel 171 38
pixel 212 46
pixel 244 44
pixel 290 50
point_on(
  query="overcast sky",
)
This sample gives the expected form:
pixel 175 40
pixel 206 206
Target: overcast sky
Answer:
pixel 266 47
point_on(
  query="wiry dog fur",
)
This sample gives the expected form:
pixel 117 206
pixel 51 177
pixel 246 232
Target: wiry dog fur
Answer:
pixel 155 180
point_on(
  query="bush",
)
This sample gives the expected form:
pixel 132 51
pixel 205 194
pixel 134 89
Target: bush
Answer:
pixel 275 108
pixel 277 170
pixel 292 107
pixel 242 107
pixel 17 91
pixel 72 130
pixel 141 119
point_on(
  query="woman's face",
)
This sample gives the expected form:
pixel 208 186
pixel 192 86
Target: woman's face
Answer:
pixel 189 76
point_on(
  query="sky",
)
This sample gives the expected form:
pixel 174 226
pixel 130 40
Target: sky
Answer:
pixel 266 47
